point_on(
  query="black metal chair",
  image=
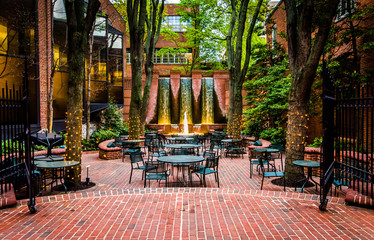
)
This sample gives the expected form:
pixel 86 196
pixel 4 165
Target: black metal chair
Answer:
pixel 235 149
pixel 129 148
pixel 217 144
pixel 155 149
pixel 277 155
pixel 137 163
pixel 210 167
pixel 270 172
pixel 253 160
pixel 155 171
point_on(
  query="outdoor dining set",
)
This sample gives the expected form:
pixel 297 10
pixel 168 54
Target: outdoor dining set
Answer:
pixel 183 157
pixel 176 159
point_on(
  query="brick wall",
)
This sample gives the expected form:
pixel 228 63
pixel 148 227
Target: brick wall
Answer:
pixel 45 45
pixel 278 17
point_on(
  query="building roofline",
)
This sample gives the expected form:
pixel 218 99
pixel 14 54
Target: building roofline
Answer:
pixel 274 9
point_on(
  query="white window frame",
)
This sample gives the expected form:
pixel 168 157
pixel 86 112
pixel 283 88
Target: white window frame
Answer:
pixel 343 9
pixel 175 23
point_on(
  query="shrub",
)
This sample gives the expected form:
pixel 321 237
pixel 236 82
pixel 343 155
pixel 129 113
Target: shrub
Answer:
pixel 112 120
pixel 267 91
pixel 102 135
pixel 274 135
pixel 317 143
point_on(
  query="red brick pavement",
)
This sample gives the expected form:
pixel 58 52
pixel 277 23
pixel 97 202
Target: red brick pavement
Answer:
pixel 113 209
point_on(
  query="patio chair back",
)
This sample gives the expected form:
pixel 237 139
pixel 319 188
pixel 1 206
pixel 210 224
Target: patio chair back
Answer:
pixel 212 162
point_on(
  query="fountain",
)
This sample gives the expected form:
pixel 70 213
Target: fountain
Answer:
pixel 186 105
pixel 164 101
pixel 185 100
pixel 207 88
pixel 185 124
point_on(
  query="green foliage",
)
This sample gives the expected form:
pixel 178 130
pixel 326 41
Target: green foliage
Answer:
pixel 347 43
pixel 207 21
pixel 112 125
pixel 267 91
pixel 317 142
pixel 274 135
pixel 14 144
pixel 113 120
pixel 103 135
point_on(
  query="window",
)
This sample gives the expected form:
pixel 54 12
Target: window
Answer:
pixel 172 57
pixel 17 40
pixel 273 35
pixel 162 57
pixel 128 61
pixel 175 23
pixel 345 8
pixel 172 1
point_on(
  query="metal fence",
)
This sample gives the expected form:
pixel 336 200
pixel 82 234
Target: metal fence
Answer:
pixel 354 139
pixel 348 144
pixel 16 161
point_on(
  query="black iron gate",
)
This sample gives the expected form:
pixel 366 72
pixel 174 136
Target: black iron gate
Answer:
pixel 348 144
pixel 16 161
pixel 327 164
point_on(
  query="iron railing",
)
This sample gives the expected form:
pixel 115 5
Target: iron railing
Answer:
pixel 15 152
pixel 348 145
pixel 354 139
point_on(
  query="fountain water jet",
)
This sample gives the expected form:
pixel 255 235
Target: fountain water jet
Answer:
pixel 185 124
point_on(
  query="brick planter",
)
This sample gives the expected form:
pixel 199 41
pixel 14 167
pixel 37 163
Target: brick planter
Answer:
pixel 313 154
pixel 55 151
pixel 265 144
pixel 106 153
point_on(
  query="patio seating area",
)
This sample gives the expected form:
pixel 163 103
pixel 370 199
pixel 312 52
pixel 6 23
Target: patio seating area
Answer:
pixel 115 209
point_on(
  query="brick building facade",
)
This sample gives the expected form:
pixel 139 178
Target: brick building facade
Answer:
pixel 43 32
pixel 276 30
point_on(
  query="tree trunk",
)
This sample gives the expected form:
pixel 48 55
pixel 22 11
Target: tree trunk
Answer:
pixel 304 55
pixel 146 93
pixel 298 110
pixel 235 107
pixel 88 101
pixel 75 105
pixel 236 70
pixel 136 97
pixel 79 26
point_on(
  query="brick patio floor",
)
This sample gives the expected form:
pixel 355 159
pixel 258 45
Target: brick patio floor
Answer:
pixel 115 209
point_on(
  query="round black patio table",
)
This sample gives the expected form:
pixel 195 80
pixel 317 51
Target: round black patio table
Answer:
pixel 133 142
pixel 182 160
pixel 182 145
pixel 230 140
pixel 267 152
pixel 56 166
pixel 179 139
pixel 309 165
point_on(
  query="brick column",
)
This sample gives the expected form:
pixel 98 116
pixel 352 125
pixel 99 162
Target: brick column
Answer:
pixel 152 106
pixel 221 88
pixel 196 97
pixel 175 83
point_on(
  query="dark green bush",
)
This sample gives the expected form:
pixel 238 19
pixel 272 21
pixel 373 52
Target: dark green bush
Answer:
pixel 267 92
pixel 113 120
pixel 274 135
pixel 317 143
